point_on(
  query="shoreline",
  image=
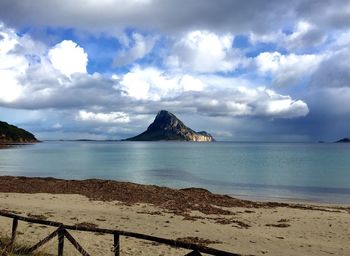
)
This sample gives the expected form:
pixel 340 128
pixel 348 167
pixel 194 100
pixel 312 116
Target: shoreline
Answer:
pixel 99 189
pixel 16 184
pixel 181 174
pixel 191 214
pixel 287 200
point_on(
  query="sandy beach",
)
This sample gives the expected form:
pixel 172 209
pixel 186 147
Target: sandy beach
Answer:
pixel 222 222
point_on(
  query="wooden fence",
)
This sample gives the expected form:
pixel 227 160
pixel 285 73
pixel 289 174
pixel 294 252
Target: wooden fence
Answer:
pixel 62 232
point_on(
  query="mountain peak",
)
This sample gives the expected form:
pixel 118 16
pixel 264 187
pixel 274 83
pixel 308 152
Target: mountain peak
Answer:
pixel 165 117
pixel 165 121
pixel 166 126
pixel 164 113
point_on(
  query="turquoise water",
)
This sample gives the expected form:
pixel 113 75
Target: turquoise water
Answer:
pixel 293 171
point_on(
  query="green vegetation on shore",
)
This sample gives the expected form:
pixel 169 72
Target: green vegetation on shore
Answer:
pixel 12 134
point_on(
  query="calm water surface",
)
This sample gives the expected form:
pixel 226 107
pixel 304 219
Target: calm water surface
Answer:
pixel 293 171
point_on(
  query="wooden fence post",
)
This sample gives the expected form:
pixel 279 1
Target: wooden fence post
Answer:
pixel 116 245
pixel 30 250
pixel 75 243
pixel 194 253
pixel 60 242
pixel 13 234
pixel 62 232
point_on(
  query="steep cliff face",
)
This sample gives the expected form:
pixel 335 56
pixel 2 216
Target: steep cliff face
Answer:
pixel 13 134
pixel 166 126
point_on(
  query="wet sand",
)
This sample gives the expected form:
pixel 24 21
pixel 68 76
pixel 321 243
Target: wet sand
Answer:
pixel 218 221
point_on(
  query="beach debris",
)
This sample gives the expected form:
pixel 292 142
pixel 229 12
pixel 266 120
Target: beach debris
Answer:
pixel 198 240
pixel 86 225
pixel 279 225
pixel 176 201
pixel 37 216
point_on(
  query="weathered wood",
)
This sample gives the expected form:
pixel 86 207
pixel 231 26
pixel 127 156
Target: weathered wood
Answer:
pixel 60 241
pixel 116 245
pixel 8 248
pixel 194 253
pixel 13 234
pixel 166 241
pixel 175 243
pixel 30 220
pixel 75 243
pixel 40 243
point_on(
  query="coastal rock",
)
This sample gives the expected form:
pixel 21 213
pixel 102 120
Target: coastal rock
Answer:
pixel 166 126
pixel 344 140
pixel 12 134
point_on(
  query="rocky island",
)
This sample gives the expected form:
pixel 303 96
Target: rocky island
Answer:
pixel 10 134
pixel 344 140
pixel 166 126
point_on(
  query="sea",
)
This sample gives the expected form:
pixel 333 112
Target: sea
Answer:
pixel 311 172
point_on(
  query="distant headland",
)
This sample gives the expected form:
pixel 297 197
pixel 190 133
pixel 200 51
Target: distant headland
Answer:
pixel 344 140
pixel 10 134
pixel 166 126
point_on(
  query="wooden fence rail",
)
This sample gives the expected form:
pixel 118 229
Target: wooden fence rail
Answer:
pixel 62 232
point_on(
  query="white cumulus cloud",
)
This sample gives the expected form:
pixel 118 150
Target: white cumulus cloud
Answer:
pixel 12 65
pixel 283 106
pixel 286 69
pixel 204 51
pixel 68 58
pixel 28 67
pixel 190 83
pixel 111 117
pixel 154 84
pixel 241 101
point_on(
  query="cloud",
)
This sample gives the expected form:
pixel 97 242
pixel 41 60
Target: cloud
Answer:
pixel 341 40
pixel 241 101
pixel 303 36
pixel 147 84
pixel 328 14
pixel 12 65
pixel 29 68
pixel 204 51
pixel 57 126
pixel 74 101
pixel 286 69
pixel 207 98
pixel 182 15
pixel 111 99
pixel 68 58
pixel 142 45
pixel 284 107
pixel 190 83
pixel 155 84
pixel 112 117
pixel 334 71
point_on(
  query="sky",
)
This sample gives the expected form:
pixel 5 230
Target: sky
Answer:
pixel 241 70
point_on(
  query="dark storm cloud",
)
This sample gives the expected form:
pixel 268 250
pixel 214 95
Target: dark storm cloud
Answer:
pixel 329 14
pixel 83 91
pixel 313 38
pixel 168 15
pixel 334 71
pixel 225 15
